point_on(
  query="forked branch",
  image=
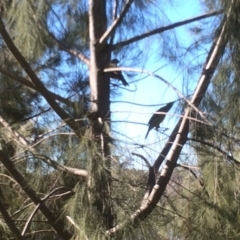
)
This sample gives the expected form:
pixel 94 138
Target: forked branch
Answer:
pixel 115 23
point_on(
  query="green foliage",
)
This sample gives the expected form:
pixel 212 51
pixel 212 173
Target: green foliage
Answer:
pixel 22 17
pixel 15 99
pixel 210 214
pixel 198 204
pixel 211 210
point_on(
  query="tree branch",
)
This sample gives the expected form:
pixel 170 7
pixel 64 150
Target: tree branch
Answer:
pixel 37 207
pixel 179 135
pixel 22 141
pixel 36 81
pixel 216 148
pixel 31 117
pixel 164 81
pixel 115 23
pixel 72 52
pixel 115 8
pixel 60 167
pixel 9 221
pixel 29 84
pixel 56 223
pixel 143 158
pixel 193 173
pixel 162 29
pixel 17 136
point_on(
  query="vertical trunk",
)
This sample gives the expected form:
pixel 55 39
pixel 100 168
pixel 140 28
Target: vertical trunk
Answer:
pixel 215 181
pixel 100 108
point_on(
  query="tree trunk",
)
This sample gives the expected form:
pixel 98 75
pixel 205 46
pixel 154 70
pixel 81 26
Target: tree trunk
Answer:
pixel 100 108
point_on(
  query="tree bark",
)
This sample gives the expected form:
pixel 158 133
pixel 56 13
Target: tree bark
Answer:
pixel 100 107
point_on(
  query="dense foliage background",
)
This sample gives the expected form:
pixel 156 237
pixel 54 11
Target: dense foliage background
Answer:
pixel 71 168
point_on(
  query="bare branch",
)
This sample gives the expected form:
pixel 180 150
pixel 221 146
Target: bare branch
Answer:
pixel 216 148
pixel 195 175
pixel 60 167
pixel 232 138
pixel 72 52
pixel 143 158
pixel 29 219
pixel 10 178
pixel 192 172
pixel 72 222
pixel 188 167
pixel 17 136
pixel 22 208
pixel 162 29
pixel 75 225
pixel 162 113
pixel 22 141
pixel 182 127
pixel 164 81
pixel 37 207
pixel 39 231
pixel 115 8
pixel 93 76
pixel 33 116
pixel 115 23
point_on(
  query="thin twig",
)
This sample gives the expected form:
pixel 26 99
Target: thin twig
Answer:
pixel 216 148
pixel 37 206
pixel 115 23
pixel 163 80
pixel 143 158
pixel 162 29
pixel 29 84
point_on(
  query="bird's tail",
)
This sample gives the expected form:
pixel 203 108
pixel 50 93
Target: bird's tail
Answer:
pixel 147 132
pixel 124 82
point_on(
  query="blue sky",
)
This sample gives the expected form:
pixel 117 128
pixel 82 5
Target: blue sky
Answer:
pixel 152 91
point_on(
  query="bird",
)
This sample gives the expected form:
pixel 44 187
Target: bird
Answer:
pixel 156 119
pixel 117 74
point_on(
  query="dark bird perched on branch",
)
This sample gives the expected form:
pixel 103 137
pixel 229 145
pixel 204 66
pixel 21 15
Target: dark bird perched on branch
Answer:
pixel 156 119
pixel 117 74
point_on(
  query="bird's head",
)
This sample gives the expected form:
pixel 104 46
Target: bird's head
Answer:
pixel 115 61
